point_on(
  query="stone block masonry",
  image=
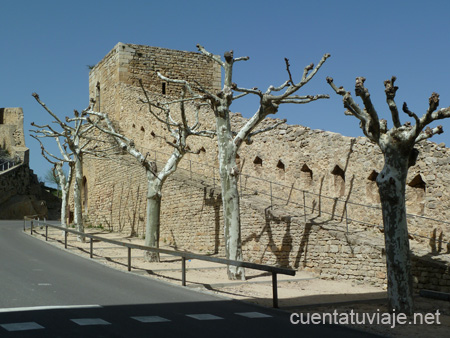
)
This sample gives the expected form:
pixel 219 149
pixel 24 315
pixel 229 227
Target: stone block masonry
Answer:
pixel 308 197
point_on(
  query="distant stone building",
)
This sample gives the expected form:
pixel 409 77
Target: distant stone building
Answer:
pixel 308 197
pixel 21 194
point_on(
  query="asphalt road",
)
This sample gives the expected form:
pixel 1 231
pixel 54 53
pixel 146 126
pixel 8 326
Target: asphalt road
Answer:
pixel 48 292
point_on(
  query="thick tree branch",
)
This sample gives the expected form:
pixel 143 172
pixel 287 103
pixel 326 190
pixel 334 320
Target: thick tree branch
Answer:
pixel 354 109
pixel 210 55
pixel 374 122
pixel 428 133
pixel 390 91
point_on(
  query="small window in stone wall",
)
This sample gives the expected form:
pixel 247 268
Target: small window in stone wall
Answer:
pixel 372 188
pixel 163 89
pixel 373 176
pixel 153 134
pixel 257 161
pixel 415 195
pixel 417 182
pixel 306 175
pixel 281 166
pixel 306 171
pixel 142 129
pixel 202 150
pixel 339 180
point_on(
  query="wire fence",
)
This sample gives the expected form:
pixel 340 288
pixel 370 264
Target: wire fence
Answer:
pixel 299 201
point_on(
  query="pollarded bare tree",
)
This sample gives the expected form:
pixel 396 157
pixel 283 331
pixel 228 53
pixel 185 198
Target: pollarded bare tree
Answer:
pixel 229 141
pixel 57 170
pixel 180 130
pixel 397 146
pixel 75 138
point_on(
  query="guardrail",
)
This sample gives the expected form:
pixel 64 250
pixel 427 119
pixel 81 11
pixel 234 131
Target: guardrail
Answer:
pixel 184 255
pixel 6 165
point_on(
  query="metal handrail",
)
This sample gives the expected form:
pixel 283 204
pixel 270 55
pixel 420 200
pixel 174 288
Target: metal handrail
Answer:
pixel 184 255
pixel 7 165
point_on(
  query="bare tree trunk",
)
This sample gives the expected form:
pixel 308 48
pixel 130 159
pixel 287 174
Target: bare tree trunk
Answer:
pixel 78 213
pixel 391 184
pixel 153 217
pixel 230 198
pixel 64 194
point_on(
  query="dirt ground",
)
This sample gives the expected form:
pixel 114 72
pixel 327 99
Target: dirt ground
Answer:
pixel 305 294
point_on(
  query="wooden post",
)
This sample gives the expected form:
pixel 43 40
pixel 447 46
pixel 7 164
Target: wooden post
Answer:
pixel 46 233
pixel 65 239
pixel 91 248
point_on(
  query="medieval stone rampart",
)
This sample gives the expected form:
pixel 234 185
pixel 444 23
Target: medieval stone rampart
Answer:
pixel 309 197
pixel 12 138
pixel 21 194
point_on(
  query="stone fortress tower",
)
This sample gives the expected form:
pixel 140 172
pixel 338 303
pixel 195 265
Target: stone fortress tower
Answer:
pixel 308 197
pixel 21 194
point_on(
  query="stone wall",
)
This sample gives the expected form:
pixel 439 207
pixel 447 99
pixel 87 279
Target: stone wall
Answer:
pixel 21 194
pixel 12 138
pixel 309 197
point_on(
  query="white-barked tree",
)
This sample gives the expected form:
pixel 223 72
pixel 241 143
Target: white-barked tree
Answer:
pixel 180 128
pixel 397 145
pixel 229 140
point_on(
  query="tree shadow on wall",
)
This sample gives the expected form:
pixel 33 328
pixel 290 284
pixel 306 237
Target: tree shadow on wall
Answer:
pixel 216 202
pixel 281 253
pixel 437 242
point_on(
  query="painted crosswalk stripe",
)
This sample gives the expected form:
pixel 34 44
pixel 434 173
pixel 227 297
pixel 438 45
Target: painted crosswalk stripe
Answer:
pixel 205 316
pixel 151 319
pixel 90 321
pixel 51 307
pixel 21 326
pixel 253 314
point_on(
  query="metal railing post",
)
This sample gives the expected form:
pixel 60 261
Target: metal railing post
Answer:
pixel 31 228
pixel 65 239
pixel 274 289
pixel 91 248
pixel 46 233
pixel 183 271
pixel 129 259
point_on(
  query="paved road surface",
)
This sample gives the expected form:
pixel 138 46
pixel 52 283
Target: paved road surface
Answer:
pixel 48 292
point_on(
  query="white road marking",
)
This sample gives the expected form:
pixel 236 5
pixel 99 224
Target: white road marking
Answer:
pixel 253 314
pixel 90 321
pixel 151 319
pixel 205 316
pixel 21 326
pixel 51 307
pixel 44 284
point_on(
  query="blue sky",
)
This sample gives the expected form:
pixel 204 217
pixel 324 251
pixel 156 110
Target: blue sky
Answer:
pixel 47 45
